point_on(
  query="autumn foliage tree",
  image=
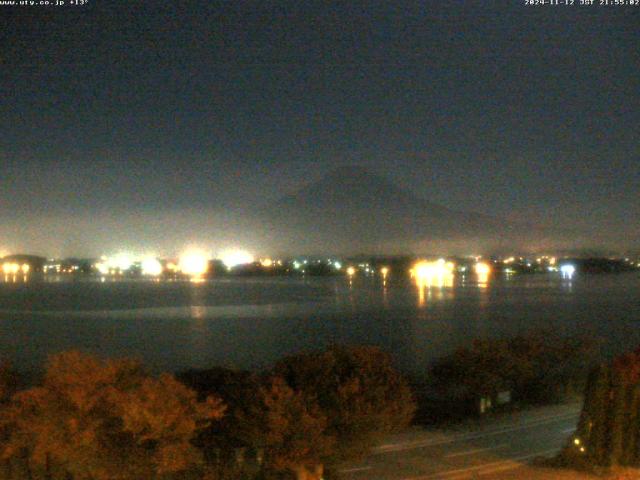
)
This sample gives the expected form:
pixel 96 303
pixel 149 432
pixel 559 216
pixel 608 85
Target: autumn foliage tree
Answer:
pixel 92 419
pixel 356 391
pixel 9 381
pixel 290 429
pixel 309 410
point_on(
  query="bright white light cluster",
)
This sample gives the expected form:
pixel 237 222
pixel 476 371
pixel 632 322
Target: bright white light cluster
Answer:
pixel 122 262
pixel 233 258
pixel 194 263
pixel 425 269
pixel 151 266
pixel 567 270
pixel 116 264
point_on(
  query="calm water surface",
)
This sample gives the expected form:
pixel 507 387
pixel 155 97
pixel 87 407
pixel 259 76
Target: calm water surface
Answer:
pixel 249 323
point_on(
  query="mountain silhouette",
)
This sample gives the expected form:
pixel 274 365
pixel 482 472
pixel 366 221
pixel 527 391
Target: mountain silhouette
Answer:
pixel 352 210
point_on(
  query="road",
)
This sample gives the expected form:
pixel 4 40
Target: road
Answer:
pixel 485 448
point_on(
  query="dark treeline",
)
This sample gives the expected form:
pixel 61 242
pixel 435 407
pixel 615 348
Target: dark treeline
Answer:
pixel 604 265
pixel 535 368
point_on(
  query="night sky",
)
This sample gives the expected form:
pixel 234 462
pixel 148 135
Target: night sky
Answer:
pixel 129 124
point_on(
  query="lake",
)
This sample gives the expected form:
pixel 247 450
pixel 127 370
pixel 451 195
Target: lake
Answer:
pixel 250 322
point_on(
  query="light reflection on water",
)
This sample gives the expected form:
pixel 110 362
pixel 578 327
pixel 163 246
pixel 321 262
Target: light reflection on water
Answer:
pixel 432 288
pixel 252 322
pixel 16 278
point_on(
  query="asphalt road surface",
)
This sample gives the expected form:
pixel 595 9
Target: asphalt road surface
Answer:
pixel 484 448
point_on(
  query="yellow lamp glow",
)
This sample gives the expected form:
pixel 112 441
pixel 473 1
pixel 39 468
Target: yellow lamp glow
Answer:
pixel 103 268
pixel 482 268
pixel 437 273
pixel 194 263
pixel 425 269
pixel 172 267
pixel 151 266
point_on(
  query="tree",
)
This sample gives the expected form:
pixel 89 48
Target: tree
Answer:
pixel 359 391
pixel 266 417
pixel 484 368
pixel 288 427
pixel 8 386
pixel 309 409
pixel 608 432
pixel 106 420
pixel 547 364
pixel 536 367
pixel 9 381
pixel 224 442
pixel 163 416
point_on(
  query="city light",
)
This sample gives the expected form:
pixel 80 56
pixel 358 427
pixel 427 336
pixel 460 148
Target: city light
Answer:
pixel 351 271
pixel 432 274
pixel 11 268
pixel 384 271
pixel 151 266
pixel 233 258
pixel 567 270
pixel 102 267
pixel 122 261
pixel 424 269
pixel 482 268
pixel 116 264
pixel 194 263
pixel 437 273
pixel 172 267
pixel 266 262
